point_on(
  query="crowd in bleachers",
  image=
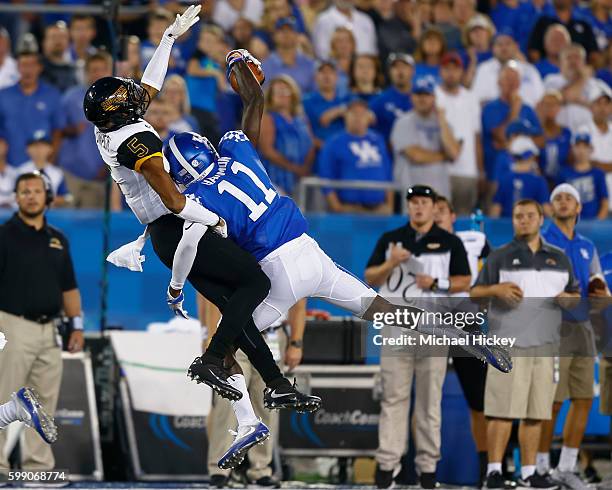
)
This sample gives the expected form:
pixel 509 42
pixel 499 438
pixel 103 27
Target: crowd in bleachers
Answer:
pixel 486 101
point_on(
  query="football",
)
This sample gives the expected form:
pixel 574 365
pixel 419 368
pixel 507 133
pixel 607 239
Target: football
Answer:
pixel 255 70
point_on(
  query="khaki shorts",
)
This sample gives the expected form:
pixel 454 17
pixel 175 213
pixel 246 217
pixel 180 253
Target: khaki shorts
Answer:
pixel 605 385
pixel 576 378
pixel 526 392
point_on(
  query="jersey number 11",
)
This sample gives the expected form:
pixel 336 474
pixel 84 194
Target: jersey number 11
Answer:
pixel 256 209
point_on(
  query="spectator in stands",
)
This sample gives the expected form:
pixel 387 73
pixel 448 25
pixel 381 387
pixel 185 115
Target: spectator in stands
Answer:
pixel 462 111
pixel 28 106
pixel 205 79
pixel 605 73
pixel 557 138
pixel 477 39
pixel 556 40
pixel 159 115
pixel 562 13
pixel 524 268
pixel 515 17
pixel 600 129
pixel 499 113
pixel 39 150
pixel 274 10
pixel 463 12
pixel 57 69
pixel 505 49
pixel 82 34
pixel 286 58
pixel 8 175
pixel 575 82
pixel 132 66
pixel 445 23
pixel 597 14
pixel 242 33
pixel 286 143
pixel 175 92
pixel 343 13
pixel 325 107
pixel 357 154
pixel 8 66
pixel 423 142
pixel 159 20
pixel 504 161
pixel 227 12
pixel 366 77
pixel 590 182
pixel 396 100
pixel 428 54
pixel 523 181
pixel 342 52
pixel 79 157
pixel 397 34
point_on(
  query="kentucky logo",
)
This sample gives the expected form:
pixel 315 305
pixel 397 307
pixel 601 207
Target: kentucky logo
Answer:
pixel 55 243
pixel 585 253
pixel 112 103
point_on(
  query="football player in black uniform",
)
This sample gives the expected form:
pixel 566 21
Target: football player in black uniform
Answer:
pixel 225 274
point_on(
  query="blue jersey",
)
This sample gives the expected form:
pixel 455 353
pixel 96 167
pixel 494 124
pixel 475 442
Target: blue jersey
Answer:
pixel 555 154
pixel 239 190
pixel 517 186
pixel 388 106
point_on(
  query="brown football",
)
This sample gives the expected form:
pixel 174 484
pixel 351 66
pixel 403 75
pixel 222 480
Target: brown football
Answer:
pixel 255 70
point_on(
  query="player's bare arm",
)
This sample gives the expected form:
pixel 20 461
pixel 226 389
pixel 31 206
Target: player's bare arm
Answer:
pixel 251 94
pixel 157 177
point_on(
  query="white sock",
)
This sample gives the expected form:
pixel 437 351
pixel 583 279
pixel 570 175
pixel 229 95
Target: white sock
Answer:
pixel 242 408
pixel 543 463
pixel 527 471
pixel 8 414
pixel 492 467
pixel 568 459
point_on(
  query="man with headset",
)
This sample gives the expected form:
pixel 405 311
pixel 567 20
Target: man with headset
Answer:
pixel 37 284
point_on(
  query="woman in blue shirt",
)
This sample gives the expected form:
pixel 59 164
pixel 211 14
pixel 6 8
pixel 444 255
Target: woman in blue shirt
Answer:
pixel 366 77
pixel 286 144
pixel 477 39
pixel 428 54
pixel 342 49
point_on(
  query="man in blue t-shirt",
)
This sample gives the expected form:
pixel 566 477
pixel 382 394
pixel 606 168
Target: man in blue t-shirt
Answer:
pixel 27 107
pixel 394 101
pixel 324 108
pixel 357 154
pixel 497 114
pixel 576 362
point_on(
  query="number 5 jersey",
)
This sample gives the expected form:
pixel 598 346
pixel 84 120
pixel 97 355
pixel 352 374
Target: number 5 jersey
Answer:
pixel 239 190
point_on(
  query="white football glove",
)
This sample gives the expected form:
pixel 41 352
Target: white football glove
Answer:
pixel 176 304
pixel 221 228
pixel 2 341
pixel 183 22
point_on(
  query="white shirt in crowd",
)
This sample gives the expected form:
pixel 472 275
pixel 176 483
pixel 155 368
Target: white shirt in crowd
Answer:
pixel 462 112
pixel 8 73
pixel 485 82
pixel 572 116
pixel 55 174
pixel 602 150
pixel 8 176
pixel 329 20
pixel 226 16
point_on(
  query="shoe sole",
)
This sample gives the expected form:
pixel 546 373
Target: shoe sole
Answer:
pixel 229 393
pixel 42 422
pixel 238 456
pixel 309 407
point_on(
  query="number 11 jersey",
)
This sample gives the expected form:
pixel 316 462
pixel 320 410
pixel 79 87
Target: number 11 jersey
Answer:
pixel 239 190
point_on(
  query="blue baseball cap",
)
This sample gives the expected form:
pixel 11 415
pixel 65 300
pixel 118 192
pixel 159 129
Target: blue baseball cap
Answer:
pixel 286 21
pixel 581 137
pixel 520 126
pixel 504 31
pixel 39 136
pixel 424 85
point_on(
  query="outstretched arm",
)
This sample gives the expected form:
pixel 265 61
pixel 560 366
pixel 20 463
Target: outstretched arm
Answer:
pixel 155 72
pixel 250 92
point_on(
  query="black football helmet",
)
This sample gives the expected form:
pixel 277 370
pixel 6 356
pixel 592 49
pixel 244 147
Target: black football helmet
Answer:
pixel 113 102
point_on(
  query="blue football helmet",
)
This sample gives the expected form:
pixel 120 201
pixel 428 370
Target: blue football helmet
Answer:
pixel 191 157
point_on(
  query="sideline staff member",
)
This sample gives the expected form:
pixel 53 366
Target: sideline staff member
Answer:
pixel 418 260
pixel 36 283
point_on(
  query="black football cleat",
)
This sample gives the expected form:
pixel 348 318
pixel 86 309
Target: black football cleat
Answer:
pixel 214 376
pixel 287 396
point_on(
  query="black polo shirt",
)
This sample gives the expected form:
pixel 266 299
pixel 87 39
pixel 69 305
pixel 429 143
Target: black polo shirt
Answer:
pixel 579 30
pixel 543 274
pixel 437 253
pixel 35 269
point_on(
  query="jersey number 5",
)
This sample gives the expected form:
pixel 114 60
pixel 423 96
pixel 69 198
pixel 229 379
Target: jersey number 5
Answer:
pixel 256 209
